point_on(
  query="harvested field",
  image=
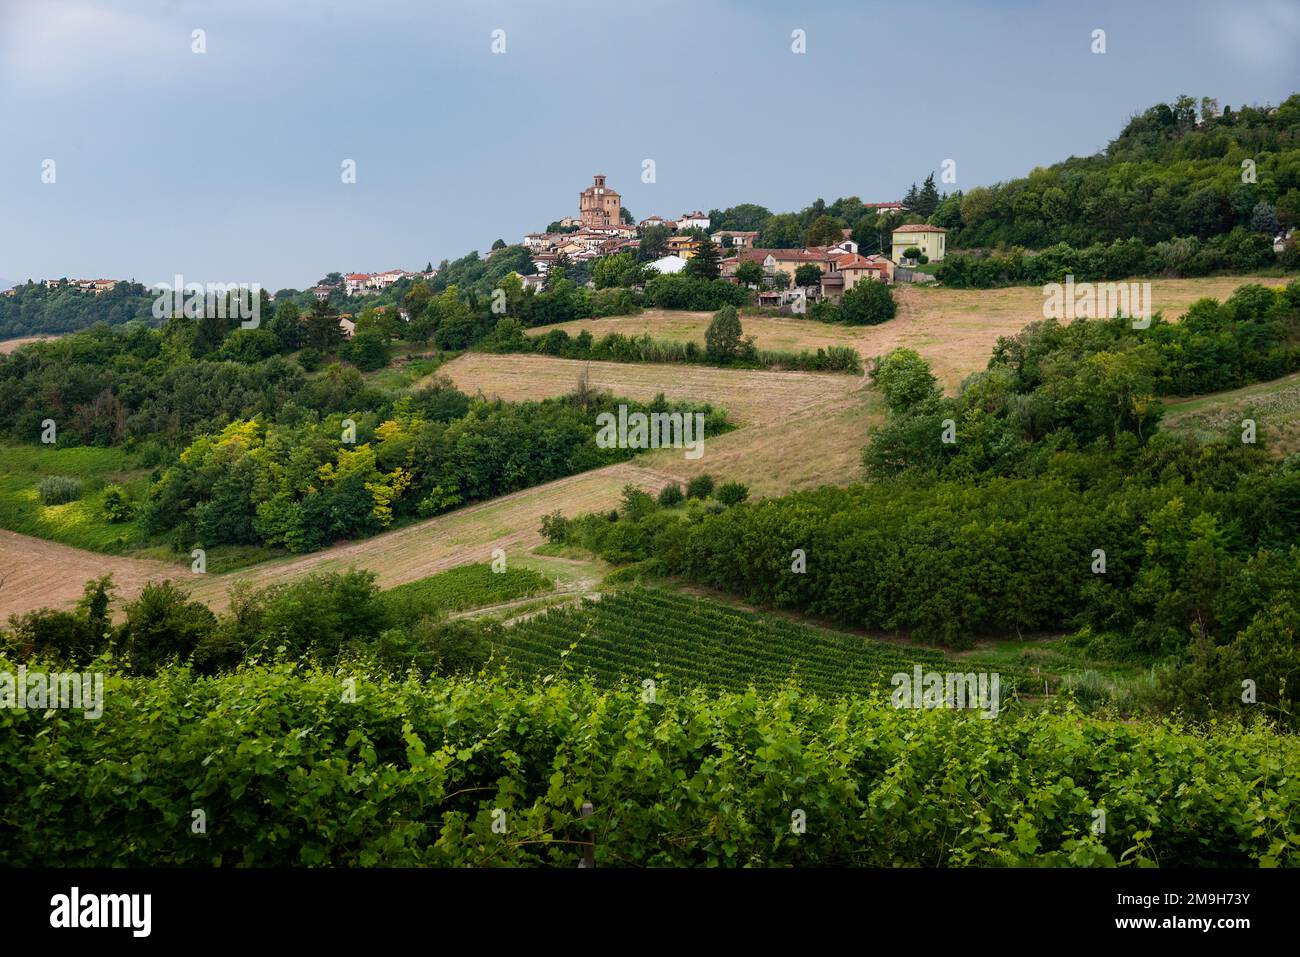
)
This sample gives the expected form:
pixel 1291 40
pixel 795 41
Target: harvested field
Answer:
pixel 35 573
pixel 955 329
pixel 749 396
pixel 10 345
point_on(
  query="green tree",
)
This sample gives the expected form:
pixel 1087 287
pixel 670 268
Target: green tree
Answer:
pixel 808 275
pixel 321 331
pixel 704 264
pixel 1263 219
pixel 722 338
pixel 749 273
pixel 905 379
pixel 868 303
pixel 825 231
pixel 927 200
pixel 654 244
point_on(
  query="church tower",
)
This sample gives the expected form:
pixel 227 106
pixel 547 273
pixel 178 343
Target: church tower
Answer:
pixel 598 205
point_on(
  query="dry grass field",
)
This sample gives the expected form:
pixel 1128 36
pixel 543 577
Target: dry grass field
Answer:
pixel 749 396
pixel 955 329
pixel 10 345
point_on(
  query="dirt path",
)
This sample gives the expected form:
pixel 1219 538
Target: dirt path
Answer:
pixel 44 574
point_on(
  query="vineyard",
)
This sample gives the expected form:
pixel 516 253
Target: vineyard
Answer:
pixel 649 633
pixel 466 586
pixel 290 772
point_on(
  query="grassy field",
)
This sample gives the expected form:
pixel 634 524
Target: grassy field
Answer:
pixel 955 329
pixel 79 523
pixel 1275 407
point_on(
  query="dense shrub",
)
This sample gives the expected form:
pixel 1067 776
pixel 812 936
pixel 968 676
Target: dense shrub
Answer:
pixel 670 495
pixel 700 487
pixel 59 490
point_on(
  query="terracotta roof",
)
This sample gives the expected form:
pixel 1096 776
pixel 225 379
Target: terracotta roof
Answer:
pixel 854 261
pixel 786 255
pixel 920 228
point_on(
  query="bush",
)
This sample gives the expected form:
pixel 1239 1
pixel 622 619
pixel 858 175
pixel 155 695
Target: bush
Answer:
pixel 555 528
pixel 311 359
pixel 116 506
pixel 700 487
pixel 59 490
pixel 733 493
pixel 670 495
pixel 722 338
pixel 868 303
pixel 163 625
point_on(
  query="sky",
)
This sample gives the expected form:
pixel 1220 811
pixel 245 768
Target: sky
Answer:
pixel 227 165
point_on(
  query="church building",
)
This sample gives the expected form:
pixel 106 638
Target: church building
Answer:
pixel 598 205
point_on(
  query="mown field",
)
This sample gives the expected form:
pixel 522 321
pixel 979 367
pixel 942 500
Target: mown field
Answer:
pixel 954 329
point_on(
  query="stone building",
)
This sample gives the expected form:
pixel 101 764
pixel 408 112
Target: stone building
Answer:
pixel 598 205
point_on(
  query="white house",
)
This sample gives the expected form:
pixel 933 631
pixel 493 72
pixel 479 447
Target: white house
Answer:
pixel 740 238
pixel 695 220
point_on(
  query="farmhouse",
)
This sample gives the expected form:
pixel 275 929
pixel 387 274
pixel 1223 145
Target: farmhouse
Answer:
pixel 928 239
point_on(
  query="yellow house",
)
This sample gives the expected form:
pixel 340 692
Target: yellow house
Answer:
pixel 928 239
pixel 684 246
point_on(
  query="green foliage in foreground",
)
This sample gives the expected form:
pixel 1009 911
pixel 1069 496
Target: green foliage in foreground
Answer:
pixel 288 772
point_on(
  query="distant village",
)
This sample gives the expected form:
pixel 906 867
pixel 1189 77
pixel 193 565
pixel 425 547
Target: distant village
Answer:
pixel 599 230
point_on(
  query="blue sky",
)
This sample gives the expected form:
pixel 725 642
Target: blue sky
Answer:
pixel 225 166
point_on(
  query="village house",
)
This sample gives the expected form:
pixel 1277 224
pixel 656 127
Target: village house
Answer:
pixel 786 260
pixel 96 286
pixel 852 269
pixel 695 220
pixel 684 246
pixel 740 239
pixel 928 239
pixel 655 221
